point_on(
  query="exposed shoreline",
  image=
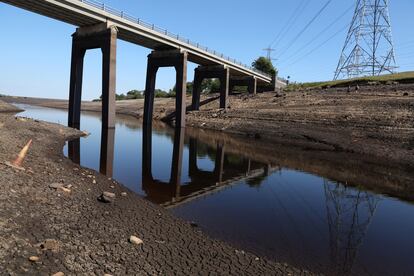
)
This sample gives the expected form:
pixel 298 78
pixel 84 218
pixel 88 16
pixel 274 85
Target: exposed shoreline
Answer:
pixel 90 236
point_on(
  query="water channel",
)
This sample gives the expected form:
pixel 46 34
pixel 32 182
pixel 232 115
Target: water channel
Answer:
pixel 271 210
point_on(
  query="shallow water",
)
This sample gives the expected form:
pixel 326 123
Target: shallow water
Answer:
pixel 276 212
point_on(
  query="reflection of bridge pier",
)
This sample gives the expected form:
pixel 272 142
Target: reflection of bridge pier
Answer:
pixel 155 189
pixel 198 175
pixel 106 159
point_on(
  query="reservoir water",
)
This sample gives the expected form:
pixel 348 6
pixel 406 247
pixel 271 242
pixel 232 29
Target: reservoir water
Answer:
pixel 272 210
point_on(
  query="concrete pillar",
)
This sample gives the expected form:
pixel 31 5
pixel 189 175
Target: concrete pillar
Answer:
pixel 252 87
pixel 209 72
pixel 75 87
pixel 196 90
pixel 250 82
pixel 106 161
pixel 101 36
pixel 274 81
pixel 109 79
pixel 157 59
pixel 224 88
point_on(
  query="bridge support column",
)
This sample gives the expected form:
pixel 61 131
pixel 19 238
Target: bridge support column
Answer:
pixel 250 82
pixel 209 72
pixel 274 81
pixel 100 36
pixel 157 59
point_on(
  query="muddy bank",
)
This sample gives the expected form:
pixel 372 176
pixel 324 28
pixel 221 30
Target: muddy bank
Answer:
pixel 8 108
pixel 375 122
pixel 69 230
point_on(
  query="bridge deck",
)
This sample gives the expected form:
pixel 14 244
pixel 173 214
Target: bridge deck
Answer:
pixel 87 12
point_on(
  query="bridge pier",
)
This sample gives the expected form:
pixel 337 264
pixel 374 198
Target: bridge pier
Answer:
pixel 208 72
pixel 250 82
pixel 100 36
pixel 157 59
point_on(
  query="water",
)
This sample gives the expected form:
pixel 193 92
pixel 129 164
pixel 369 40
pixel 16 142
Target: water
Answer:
pixel 276 212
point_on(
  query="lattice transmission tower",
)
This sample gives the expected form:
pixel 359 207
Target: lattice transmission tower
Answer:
pixel 368 49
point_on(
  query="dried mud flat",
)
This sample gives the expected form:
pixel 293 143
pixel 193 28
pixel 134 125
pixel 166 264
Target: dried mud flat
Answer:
pixel 51 220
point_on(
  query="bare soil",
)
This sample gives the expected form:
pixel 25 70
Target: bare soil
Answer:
pixel 72 232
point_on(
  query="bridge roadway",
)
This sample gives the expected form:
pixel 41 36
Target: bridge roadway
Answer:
pixel 93 17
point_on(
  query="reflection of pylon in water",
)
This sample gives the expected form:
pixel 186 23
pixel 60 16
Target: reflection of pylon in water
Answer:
pixel 349 212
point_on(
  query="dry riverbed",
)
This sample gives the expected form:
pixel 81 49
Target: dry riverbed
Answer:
pixel 52 221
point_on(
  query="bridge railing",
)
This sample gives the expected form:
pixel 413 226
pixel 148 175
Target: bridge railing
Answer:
pixel 150 26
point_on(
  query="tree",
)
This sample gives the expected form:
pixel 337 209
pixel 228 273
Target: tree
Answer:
pixel 264 65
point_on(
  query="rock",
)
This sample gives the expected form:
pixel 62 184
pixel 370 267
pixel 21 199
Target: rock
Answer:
pixel 405 94
pixel 106 274
pixel 56 186
pixel 94 181
pixel 123 194
pixel 50 244
pixel 34 258
pixel 58 274
pixel 106 197
pixel 193 224
pixel 66 190
pixel 135 240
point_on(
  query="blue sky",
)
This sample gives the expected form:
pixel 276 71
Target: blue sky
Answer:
pixel 35 50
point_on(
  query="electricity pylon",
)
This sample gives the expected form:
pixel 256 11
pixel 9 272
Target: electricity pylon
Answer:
pixel 368 49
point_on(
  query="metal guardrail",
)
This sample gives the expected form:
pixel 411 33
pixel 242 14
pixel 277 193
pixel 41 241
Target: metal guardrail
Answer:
pixel 150 26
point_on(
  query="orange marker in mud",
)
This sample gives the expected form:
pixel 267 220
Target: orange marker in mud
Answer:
pixel 22 154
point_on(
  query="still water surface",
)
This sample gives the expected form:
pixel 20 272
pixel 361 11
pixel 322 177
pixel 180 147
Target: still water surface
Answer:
pixel 279 213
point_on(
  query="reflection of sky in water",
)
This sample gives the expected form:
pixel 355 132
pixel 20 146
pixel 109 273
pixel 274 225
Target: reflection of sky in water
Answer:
pixel 290 216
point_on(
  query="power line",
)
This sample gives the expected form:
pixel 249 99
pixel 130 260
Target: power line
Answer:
pixel 329 26
pixel 291 22
pixel 319 46
pixel 305 28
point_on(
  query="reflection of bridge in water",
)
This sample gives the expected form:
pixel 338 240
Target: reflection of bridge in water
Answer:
pixel 228 169
pixel 349 211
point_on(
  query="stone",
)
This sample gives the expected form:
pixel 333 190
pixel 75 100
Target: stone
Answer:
pixel 58 274
pixel 34 258
pixel 50 244
pixel 135 240
pixel 123 194
pixel 66 190
pixel 56 186
pixel 106 197
pixel 94 181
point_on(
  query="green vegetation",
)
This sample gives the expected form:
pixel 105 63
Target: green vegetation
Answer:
pixel 264 65
pixel 405 77
pixel 137 94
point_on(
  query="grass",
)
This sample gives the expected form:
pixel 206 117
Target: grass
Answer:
pixel 404 77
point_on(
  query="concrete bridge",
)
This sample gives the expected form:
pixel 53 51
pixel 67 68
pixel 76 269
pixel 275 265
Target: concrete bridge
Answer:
pixel 99 26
